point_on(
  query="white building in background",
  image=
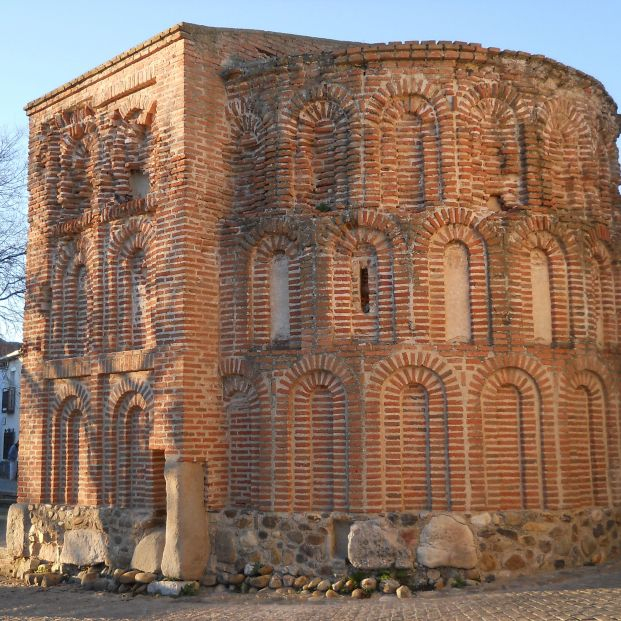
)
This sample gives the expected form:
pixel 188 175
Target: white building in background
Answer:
pixel 10 374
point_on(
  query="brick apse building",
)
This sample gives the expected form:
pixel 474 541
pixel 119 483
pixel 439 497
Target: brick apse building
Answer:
pixel 336 298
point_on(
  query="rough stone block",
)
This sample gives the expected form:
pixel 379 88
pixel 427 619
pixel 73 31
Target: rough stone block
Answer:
pixel 446 541
pixel 375 545
pixel 149 551
pixel 224 546
pixel 84 547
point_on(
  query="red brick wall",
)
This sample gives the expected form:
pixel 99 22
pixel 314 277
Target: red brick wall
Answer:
pixel 381 158
pixel 121 326
pixel 149 328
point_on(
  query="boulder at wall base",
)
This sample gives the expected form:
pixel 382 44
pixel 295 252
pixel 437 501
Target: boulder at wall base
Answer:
pixel 84 547
pixel 148 553
pixel 17 527
pixel 375 544
pixel 446 541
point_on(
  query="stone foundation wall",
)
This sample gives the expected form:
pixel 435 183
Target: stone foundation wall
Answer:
pixel 483 544
pixel 77 535
pixel 431 545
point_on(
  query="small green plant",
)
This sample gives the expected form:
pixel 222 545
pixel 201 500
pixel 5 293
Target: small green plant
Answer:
pixel 42 569
pixel 323 207
pixel 256 568
pixel 189 589
pixel 459 582
pixel 358 576
pixel 385 575
pixel 403 576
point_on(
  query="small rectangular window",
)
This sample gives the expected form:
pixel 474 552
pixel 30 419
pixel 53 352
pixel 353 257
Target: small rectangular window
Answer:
pixel 8 400
pixel 139 184
pixel 365 302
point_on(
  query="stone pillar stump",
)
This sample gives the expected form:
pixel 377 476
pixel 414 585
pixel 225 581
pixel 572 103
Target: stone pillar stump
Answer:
pixel 186 550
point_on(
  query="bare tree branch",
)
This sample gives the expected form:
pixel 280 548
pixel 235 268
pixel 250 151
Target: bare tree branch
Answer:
pixel 13 167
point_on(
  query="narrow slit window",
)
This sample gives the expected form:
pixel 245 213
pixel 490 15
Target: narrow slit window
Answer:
pixel 279 298
pixel 365 299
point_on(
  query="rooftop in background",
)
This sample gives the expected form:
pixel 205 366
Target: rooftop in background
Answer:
pixel 9 348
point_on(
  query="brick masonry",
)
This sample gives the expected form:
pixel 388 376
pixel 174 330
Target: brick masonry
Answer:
pixel 350 280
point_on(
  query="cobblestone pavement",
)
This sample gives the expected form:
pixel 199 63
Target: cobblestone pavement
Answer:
pixel 590 593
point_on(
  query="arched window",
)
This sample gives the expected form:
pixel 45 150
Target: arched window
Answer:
pixel 361 308
pixel 512 441
pixel 274 292
pixel 279 298
pixel 139 481
pixel 134 477
pixel 75 186
pixel 73 317
pixel 409 148
pixel 457 307
pixel 569 156
pixel 402 157
pixel 454 300
pixel 131 146
pixel 247 152
pixel 601 299
pixel 541 296
pixel 496 154
pixel 563 156
pixel 318 441
pixel 323 138
pixel 494 147
pixel 250 177
pixel 585 444
pixel 414 428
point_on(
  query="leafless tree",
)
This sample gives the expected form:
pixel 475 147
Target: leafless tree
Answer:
pixel 13 164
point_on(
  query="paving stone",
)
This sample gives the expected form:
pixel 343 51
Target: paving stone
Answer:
pixel 585 594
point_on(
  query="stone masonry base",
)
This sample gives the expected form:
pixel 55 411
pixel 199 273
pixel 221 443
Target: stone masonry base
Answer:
pixel 499 543
pixel 479 545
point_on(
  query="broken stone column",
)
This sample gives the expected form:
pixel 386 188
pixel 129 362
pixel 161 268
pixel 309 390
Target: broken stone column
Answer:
pixel 186 550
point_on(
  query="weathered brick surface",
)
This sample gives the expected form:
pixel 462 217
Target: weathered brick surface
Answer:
pixel 359 279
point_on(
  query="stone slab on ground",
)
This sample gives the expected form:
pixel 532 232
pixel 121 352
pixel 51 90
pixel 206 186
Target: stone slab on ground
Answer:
pixel 172 588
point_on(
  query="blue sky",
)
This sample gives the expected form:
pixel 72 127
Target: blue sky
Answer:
pixel 46 43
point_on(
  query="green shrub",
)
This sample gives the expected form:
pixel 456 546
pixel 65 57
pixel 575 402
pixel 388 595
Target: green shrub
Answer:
pixel 189 589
